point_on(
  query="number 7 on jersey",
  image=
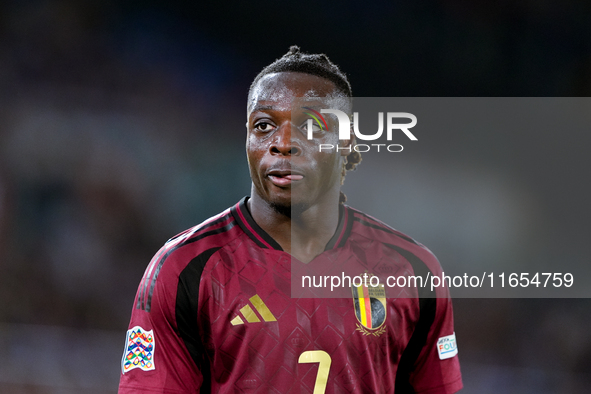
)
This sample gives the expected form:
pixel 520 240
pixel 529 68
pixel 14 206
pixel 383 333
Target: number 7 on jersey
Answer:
pixel 323 360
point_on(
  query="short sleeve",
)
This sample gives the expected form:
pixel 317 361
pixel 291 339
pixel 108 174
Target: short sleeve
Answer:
pixel 429 363
pixel 156 358
pixel 437 368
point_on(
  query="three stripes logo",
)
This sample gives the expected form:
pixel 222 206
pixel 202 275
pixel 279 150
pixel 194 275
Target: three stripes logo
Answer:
pixel 370 308
pixel 250 315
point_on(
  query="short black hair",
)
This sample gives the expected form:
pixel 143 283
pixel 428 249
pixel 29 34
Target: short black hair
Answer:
pixel 315 64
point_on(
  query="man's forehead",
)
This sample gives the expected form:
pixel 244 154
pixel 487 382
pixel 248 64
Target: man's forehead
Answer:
pixel 280 91
pixel 297 103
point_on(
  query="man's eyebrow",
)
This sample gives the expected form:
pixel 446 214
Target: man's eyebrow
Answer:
pixel 262 108
pixel 312 106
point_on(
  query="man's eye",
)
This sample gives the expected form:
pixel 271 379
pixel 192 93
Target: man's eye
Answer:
pixel 310 124
pixel 263 126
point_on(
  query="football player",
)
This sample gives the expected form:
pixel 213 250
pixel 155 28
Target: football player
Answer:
pixel 214 310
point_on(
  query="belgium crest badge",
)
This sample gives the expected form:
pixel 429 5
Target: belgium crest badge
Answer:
pixel 370 307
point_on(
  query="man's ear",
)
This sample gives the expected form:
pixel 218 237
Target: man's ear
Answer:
pixel 348 143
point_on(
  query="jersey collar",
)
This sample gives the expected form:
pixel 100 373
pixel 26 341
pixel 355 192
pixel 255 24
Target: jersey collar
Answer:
pixel 261 238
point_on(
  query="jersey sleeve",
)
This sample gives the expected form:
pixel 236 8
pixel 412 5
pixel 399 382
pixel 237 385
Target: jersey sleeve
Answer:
pixel 156 358
pixel 437 368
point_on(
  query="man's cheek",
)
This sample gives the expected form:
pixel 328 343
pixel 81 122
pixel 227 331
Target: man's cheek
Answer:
pixel 254 146
pixel 325 141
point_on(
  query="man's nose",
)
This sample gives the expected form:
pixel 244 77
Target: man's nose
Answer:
pixel 283 143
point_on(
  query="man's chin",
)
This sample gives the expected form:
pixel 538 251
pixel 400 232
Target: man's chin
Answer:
pixel 282 208
pixel 289 207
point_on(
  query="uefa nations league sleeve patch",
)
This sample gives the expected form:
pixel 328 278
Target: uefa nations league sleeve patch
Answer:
pixel 139 350
pixel 447 347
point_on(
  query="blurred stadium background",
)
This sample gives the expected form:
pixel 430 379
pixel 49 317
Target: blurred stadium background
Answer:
pixel 122 123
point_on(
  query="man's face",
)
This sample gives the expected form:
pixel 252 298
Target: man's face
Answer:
pixel 286 168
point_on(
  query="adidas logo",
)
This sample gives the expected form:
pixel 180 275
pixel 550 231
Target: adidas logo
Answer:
pixel 250 315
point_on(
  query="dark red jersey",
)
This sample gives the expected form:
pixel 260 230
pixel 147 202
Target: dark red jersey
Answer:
pixel 214 313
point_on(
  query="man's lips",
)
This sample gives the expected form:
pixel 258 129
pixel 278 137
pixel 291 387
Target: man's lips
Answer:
pixel 284 177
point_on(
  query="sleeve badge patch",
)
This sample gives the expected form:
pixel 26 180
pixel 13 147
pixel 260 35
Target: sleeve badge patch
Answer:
pixel 447 347
pixel 139 350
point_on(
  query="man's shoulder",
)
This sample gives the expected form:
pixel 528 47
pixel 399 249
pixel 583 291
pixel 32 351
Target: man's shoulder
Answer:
pixel 367 227
pixel 211 234
pixel 364 223
pixel 202 231
pixel 186 251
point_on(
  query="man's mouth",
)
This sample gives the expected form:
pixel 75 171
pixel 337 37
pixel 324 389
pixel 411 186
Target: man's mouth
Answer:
pixel 284 178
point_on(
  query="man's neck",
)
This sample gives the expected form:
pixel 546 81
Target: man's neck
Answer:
pixel 304 234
